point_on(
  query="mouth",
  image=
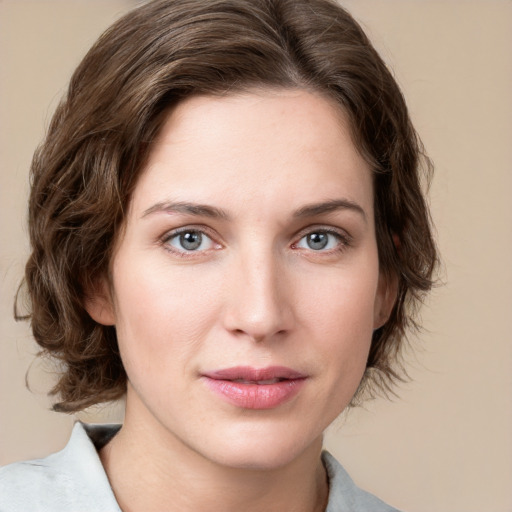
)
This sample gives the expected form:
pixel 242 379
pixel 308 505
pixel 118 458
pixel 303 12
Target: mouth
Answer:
pixel 253 388
pixel 259 382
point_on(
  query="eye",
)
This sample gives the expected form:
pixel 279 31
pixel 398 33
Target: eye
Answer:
pixel 321 240
pixel 189 240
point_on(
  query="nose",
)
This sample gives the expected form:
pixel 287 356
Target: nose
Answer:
pixel 259 305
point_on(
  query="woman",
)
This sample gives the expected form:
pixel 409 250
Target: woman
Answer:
pixel 227 228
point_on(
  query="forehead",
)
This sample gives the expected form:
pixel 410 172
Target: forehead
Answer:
pixel 255 148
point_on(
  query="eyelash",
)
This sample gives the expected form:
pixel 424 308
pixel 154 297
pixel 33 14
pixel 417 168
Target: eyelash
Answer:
pixel 202 230
pixel 344 240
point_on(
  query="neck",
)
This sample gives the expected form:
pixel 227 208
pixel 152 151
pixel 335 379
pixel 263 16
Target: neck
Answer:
pixel 151 470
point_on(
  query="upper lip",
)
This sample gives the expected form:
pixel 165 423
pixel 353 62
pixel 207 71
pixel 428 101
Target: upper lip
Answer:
pixel 247 373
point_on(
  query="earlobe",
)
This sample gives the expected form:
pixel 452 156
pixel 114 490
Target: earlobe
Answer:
pixel 385 299
pixel 98 303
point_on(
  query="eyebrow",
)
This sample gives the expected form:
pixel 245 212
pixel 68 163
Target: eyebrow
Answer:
pixel 312 210
pixel 201 210
pixel 204 210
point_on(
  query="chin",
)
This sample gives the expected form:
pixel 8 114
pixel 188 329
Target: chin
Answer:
pixel 263 451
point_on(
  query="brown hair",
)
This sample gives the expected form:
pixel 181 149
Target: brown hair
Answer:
pixel 84 172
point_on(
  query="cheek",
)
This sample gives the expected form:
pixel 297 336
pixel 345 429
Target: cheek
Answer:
pixel 162 316
pixel 345 302
pixel 340 318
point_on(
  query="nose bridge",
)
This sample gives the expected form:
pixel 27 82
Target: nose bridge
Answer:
pixel 258 306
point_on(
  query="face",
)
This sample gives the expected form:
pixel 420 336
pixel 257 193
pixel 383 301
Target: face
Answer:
pixel 246 285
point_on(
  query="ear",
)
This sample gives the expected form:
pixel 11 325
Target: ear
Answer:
pixel 98 303
pixel 387 291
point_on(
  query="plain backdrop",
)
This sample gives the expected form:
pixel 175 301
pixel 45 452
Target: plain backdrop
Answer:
pixel 445 444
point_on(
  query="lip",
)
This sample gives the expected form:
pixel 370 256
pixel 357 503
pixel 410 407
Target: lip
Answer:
pixel 255 388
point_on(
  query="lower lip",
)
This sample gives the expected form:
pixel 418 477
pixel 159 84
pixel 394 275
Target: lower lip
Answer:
pixel 255 396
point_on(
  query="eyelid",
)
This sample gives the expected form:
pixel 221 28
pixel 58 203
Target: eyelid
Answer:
pixel 204 230
pixel 324 228
pixel 344 237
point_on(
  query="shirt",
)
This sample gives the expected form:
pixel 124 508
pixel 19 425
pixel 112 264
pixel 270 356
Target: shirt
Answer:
pixel 73 480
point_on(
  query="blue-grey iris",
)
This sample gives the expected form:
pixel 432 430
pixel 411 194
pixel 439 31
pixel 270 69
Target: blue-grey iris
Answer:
pixel 191 240
pixel 317 241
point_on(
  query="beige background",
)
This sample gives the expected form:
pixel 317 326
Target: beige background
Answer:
pixel 446 444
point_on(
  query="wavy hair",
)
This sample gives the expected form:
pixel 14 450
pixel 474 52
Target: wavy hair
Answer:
pixel 85 170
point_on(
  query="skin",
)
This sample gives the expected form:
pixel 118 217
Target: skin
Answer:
pixel 254 293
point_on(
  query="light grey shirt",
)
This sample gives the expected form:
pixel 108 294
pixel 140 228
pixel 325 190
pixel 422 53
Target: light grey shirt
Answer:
pixel 73 480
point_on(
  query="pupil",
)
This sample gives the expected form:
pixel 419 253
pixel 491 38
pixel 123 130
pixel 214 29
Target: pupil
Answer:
pixel 317 241
pixel 191 240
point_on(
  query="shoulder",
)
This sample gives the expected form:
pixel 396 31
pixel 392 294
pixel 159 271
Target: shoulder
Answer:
pixel 72 479
pixel 344 493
